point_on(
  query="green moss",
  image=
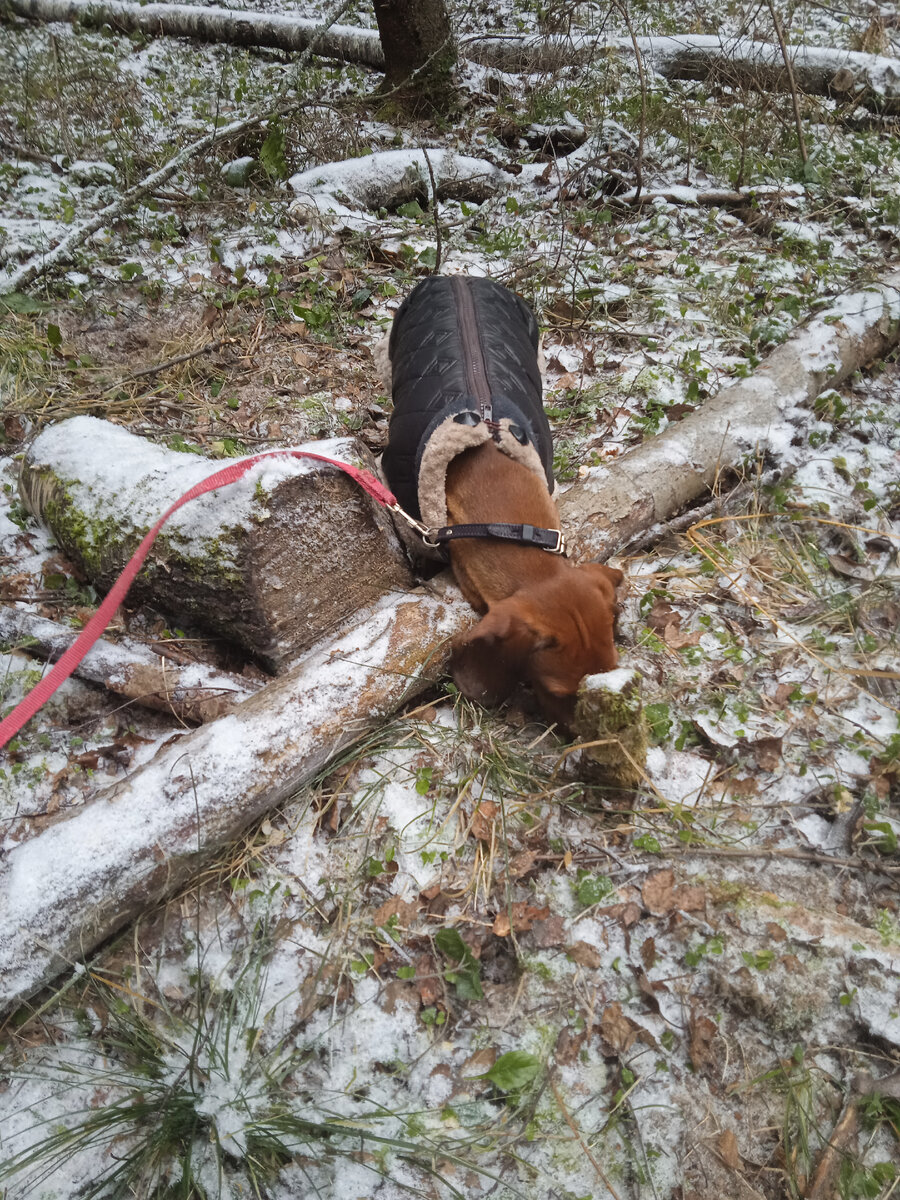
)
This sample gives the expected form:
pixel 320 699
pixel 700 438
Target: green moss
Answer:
pixel 615 722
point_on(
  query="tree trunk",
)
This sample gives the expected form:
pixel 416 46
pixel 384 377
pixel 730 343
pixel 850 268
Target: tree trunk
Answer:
pixel 762 416
pixel 272 562
pixel 419 54
pixel 76 883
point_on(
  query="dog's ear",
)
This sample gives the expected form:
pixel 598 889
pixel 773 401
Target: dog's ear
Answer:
pixel 488 661
pixel 612 575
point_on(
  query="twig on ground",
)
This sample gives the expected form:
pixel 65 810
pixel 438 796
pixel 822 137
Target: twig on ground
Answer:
pixel 64 251
pixel 795 99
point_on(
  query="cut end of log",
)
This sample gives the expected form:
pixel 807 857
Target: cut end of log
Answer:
pixel 273 561
pixel 610 721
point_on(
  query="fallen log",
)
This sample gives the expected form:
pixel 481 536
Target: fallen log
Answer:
pixel 273 561
pixel 202 23
pixel 76 883
pixel 763 415
pixel 192 692
pixel 871 80
pixel 868 79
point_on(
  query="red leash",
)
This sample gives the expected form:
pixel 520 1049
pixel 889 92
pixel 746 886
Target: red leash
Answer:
pixel 40 694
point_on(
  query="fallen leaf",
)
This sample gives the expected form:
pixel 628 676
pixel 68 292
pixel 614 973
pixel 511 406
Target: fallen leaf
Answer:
pixel 627 914
pixel 617 1029
pixel 658 892
pixel 585 954
pixel 520 864
pixel 549 932
pixel 662 617
pixel 483 820
pixel 522 916
pixel 852 570
pixel 728 1149
pixel 648 952
pixel 568 1046
pixel 767 752
pixel 675 639
pixel 405 910
pixel 703 1033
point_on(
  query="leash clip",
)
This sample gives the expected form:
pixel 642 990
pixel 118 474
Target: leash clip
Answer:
pixel 427 535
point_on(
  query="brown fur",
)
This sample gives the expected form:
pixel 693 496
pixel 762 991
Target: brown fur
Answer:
pixel 546 621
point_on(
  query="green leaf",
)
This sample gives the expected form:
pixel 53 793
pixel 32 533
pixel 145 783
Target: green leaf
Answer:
pixel 513 1071
pixel 466 977
pixel 18 302
pixel 54 337
pixel 271 153
pixel 413 210
pixel 591 889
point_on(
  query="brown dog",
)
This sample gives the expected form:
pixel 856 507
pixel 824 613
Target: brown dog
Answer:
pixel 469 444
pixel 547 622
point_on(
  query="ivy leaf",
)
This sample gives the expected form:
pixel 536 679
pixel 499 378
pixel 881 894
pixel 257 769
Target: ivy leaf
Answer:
pixel 466 977
pixel 513 1071
pixel 271 153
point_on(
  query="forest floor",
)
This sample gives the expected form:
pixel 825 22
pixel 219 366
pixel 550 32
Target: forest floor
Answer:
pixel 451 966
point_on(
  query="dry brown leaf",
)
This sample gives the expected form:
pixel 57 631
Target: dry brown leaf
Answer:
pixel 568 1045
pixel 648 953
pixel 520 864
pixel 662 617
pixel 627 914
pixel 585 954
pixel 728 1149
pixel 703 1033
pixel 658 892
pixel 483 819
pixel 617 1029
pixel 676 640
pixel 522 915
pixel 405 910
pixel 548 932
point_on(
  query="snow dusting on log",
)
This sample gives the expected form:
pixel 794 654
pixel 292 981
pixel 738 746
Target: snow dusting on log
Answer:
pixel 274 560
pixel 754 417
pixel 70 888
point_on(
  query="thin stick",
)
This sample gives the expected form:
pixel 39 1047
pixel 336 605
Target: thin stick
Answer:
pixel 64 251
pixel 585 1147
pixel 795 98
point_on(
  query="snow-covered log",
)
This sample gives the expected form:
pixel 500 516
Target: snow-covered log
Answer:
pixel 236 27
pixel 390 178
pixel 870 79
pixel 763 415
pixel 79 881
pixel 192 692
pixel 273 561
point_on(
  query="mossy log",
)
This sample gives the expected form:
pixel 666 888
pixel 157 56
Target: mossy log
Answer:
pixel 609 718
pixel 273 561
pixel 76 883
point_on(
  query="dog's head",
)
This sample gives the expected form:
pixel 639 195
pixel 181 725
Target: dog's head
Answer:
pixel 550 635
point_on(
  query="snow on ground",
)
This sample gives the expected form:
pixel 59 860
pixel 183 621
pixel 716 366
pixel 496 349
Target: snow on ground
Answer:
pixel 688 978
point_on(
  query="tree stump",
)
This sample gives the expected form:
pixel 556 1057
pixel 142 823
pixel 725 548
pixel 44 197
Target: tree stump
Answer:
pixel 273 561
pixel 610 721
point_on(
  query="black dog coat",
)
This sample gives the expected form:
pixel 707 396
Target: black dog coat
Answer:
pixel 464 370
